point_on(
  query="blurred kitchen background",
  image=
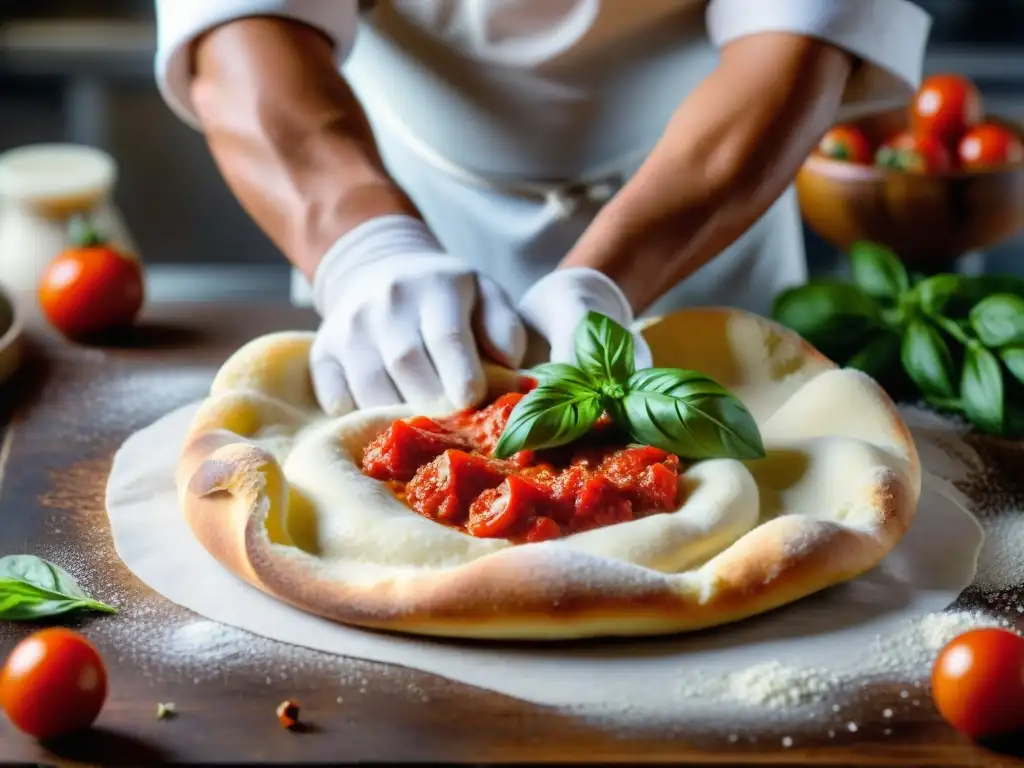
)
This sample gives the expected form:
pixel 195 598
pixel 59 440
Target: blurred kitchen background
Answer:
pixel 81 71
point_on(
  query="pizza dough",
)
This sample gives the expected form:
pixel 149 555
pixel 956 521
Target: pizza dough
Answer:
pixel 272 489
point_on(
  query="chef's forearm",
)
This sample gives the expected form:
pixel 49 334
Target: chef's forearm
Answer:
pixel 289 136
pixel 728 153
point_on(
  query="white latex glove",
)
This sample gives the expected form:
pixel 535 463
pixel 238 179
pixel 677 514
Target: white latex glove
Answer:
pixel 556 303
pixel 402 321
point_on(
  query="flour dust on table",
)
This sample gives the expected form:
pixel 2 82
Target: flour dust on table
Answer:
pixel 780 667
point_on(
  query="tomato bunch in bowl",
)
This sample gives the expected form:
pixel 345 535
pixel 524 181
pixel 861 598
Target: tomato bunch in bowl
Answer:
pixel 947 131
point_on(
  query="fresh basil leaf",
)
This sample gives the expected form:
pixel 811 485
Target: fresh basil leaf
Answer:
pixel 927 359
pixel 878 271
pixel 999 320
pixel 936 291
pixel 689 414
pixel 22 602
pixel 32 588
pixel 549 416
pixel 981 390
pixel 40 573
pixel 604 349
pixel 561 373
pixel 673 381
pixel 1013 359
pixel 831 316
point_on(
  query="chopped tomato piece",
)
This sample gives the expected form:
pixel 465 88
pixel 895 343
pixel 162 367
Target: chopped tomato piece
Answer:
pixel 659 488
pixel 601 503
pixel 497 512
pixel 444 488
pixel 484 427
pixel 542 529
pixel 445 470
pixel 406 446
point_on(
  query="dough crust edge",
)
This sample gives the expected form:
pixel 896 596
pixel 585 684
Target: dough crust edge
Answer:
pixel 231 491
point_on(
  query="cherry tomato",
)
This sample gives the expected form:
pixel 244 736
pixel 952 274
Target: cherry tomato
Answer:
pixel 945 107
pixel 914 153
pixel 53 683
pixel 978 682
pixel 845 142
pixel 989 147
pixel 91 288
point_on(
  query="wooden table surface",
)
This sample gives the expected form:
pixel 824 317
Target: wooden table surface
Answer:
pixel 68 412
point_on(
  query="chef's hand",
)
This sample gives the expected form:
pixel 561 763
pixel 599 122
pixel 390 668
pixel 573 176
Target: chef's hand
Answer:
pixel 556 303
pixel 403 321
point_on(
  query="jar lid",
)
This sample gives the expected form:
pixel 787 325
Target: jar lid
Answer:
pixel 55 171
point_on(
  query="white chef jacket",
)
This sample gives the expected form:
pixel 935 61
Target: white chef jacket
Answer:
pixel 508 122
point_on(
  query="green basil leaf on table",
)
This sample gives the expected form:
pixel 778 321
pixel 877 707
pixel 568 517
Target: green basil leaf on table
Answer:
pixel 998 320
pixel 831 316
pixel 981 389
pixel 878 271
pixel 1013 359
pixel 547 373
pixel 927 359
pixel 552 414
pixel 604 349
pixel 34 588
pixel 689 414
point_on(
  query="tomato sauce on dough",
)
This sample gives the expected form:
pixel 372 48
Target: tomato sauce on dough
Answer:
pixel 445 470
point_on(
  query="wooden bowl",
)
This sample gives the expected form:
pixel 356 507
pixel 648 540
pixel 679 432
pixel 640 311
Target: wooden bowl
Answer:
pixel 11 342
pixel 928 220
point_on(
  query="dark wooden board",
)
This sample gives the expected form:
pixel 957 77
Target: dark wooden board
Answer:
pixel 66 415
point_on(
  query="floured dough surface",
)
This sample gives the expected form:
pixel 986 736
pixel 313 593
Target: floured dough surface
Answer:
pixel 272 488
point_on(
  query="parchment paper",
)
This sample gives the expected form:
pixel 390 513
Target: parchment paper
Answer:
pixel 924 573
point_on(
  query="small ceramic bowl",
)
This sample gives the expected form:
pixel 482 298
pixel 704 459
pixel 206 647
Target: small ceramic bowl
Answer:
pixel 11 338
pixel 928 220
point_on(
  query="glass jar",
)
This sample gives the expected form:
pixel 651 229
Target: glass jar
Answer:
pixel 43 188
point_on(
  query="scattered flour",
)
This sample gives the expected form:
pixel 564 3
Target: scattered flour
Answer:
pixel 903 657
pixel 167 643
pixel 983 474
pixel 770 684
pixel 1001 563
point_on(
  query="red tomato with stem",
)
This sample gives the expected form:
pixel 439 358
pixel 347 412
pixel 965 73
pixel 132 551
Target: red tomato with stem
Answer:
pixel 845 142
pixel 989 147
pixel 91 288
pixel 914 153
pixel 53 683
pixel 978 682
pixel 946 106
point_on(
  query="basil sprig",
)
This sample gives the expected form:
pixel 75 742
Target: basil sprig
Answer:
pixel 682 412
pixel 32 588
pixel 955 341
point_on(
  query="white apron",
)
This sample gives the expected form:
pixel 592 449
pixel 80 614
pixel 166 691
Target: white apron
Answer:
pixel 509 126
